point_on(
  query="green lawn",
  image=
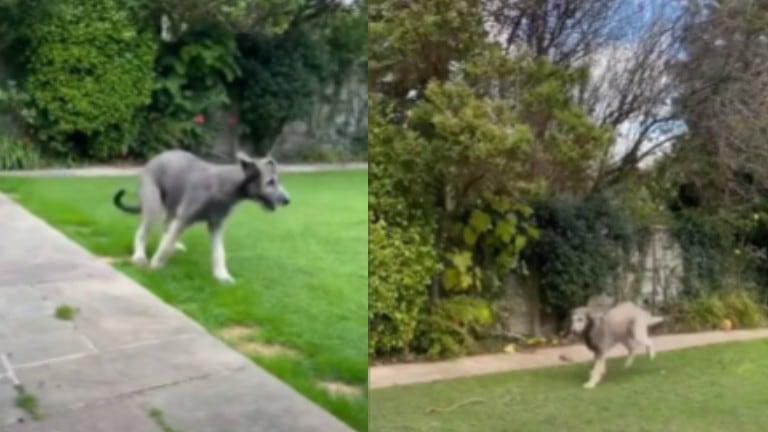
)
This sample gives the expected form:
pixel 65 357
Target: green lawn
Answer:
pixel 711 389
pixel 301 272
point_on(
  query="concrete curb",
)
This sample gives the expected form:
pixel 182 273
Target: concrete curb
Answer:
pixel 125 353
pixel 412 373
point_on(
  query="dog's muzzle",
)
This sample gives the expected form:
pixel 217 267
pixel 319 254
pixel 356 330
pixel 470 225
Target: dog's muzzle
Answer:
pixel 282 197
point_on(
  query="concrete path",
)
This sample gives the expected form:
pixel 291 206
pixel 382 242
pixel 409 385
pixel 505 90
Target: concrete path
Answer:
pixel 412 373
pixel 116 171
pixel 125 353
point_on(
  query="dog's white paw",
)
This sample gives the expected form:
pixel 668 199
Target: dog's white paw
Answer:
pixel 139 260
pixel 155 264
pixel 589 385
pixel 225 278
pixel 179 246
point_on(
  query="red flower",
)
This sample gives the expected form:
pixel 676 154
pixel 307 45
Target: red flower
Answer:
pixel 199 119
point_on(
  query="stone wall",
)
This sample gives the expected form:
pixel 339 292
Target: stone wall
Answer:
pixel 337 124
pixel 655 275
pixel 336 129
pixel 652 277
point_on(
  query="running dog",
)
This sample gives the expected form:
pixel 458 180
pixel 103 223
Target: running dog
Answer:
pixel 185 190
pixel 624 323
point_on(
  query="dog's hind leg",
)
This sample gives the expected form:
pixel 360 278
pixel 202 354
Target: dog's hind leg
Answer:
pixel 179 246
pixel 640 332
pixel 598 370
pixel 167 243
pixel 151 209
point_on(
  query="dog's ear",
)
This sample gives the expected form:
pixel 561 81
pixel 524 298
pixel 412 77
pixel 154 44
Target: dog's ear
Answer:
pixel 270 165
pixel 250 167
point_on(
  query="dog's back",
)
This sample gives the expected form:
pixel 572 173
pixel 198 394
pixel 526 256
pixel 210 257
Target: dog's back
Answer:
pixel 172 168
pixel 172 172
pixel 620 320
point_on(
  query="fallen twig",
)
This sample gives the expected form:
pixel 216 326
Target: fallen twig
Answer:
pixel 454 406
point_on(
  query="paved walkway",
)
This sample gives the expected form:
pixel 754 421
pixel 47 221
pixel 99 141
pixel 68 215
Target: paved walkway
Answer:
pixel 411 373
pixel 125 353
pixel 114 171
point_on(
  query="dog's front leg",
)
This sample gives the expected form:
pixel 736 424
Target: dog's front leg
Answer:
pixel 218 255
pixel 167 243
pixel 597 371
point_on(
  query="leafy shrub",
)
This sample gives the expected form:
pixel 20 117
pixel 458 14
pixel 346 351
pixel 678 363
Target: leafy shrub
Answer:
pixel 283 73
pixel 400 267
pixel 706 311
pixel 706 240
pixel 449 172
pixel 579 250
pixel 450 326
pixel 192 77
pixel 463 140
pixel 17 154
pixel 347 39
pixel 90 71
pixel 281 76
pixel 13 107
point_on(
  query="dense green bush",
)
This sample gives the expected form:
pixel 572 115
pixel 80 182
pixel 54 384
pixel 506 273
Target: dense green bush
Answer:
pixel 581 247
pixel 721 247
pixel 90 72
pixel 16 153
pixel 466 155
pixel 401 264
pixel 102 86
pixel 450 171
pixel 281 76
pixel 706 311
pixel 451 325
pixel 708 242
pixel 192 75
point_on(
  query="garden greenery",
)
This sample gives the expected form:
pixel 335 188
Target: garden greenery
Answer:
pixel 582 246
pixel 193 73
pixel 99 83
pixel 89 74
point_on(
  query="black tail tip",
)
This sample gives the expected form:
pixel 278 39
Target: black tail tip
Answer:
pixel 118 195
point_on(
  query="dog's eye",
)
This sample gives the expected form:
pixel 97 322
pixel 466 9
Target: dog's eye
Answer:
pixel 271 182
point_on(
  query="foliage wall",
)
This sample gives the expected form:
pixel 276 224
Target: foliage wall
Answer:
pixel 124 79
pixel 462 142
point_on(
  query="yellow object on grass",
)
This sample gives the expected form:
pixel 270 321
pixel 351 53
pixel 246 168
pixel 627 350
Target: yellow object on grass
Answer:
pixel 726 324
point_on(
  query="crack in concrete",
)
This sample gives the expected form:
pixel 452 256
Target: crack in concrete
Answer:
pixel 129 395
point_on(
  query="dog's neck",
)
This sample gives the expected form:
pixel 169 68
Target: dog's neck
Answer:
pixel 589 339
pixel 231 178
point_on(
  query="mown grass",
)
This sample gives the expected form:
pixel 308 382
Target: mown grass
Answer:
pixel 301 272
pixel 65 312
pixel 710 389
pixel 28 403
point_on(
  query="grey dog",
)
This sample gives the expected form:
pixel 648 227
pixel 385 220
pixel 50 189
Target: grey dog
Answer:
pixel 186 190
pixel 624 323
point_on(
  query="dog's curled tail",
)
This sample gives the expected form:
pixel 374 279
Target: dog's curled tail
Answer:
pixel 118 201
